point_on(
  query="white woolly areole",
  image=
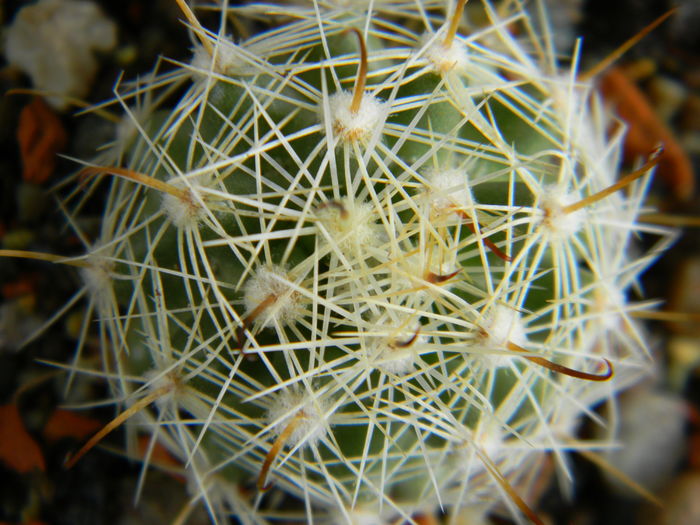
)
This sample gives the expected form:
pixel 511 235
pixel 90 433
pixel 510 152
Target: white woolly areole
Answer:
pixel 448 191
pixel 96 275
pixel 502 325
pixel 557 222
pixel 351 224
pixel 499 327
pixel 351 126
pixel 445 59
pixel 418 268
pixel 398 361
pixel 156 380
pixel 490 436
pixel 97 278
pixel 228 60
pixel 392 349
pixel 608 303
pixel 271 282
pixel 421 277
pixel 306 413
pixel 184 211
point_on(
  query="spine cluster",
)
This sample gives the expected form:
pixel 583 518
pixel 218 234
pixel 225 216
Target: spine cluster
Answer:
pixel 377 261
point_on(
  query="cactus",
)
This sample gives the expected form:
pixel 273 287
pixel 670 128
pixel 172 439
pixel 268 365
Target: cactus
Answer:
pixel 376 261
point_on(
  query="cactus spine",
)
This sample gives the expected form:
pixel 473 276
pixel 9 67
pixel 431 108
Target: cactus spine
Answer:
pixel 369 259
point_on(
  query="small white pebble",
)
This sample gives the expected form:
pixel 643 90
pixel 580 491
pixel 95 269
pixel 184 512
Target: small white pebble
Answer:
pixel 54 42
pixel 651 430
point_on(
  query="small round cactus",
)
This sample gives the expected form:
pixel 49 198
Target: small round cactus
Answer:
pixel 375 259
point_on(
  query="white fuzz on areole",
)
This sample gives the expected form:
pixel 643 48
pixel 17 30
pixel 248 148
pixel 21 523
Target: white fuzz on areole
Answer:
pixel 169 382
pixel 182 212
pixel 608 304
pixel 97 278
pixel 308 414
pixel 448 191
pixel 490 436
pixel 185 211
pixel 419 270
pixel 359 126
pixel 394 360
pixel 201 60
pixel 352 225
pixel 229 61
pixel 558 223
pixel 501 325
pixel 391 345
pixel 270 284
pixel 444 59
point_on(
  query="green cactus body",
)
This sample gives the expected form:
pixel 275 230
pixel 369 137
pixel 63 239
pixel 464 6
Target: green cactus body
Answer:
pixel 360 307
